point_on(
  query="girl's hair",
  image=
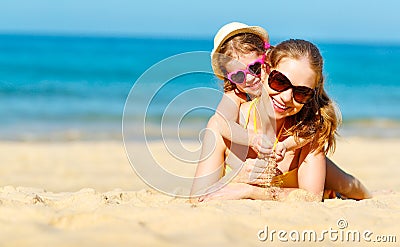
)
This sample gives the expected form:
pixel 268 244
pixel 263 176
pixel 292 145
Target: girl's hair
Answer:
pixel 319 119
pixel 242 43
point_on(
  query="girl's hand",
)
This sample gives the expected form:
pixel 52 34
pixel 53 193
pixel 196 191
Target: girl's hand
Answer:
pixel 261 144
pixel 280 151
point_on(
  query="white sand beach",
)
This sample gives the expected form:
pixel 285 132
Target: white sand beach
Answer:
pixel 87 194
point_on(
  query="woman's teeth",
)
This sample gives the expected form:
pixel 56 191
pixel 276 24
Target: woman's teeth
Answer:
pixel 280 106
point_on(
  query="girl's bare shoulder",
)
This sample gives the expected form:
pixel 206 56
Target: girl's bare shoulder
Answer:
pixel 237 96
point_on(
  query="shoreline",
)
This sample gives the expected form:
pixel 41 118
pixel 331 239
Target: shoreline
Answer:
pixel 380 128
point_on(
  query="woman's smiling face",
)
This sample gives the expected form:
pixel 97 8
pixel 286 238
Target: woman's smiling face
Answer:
pixel 299 72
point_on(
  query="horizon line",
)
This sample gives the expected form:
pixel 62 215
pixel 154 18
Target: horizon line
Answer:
pixel 184 37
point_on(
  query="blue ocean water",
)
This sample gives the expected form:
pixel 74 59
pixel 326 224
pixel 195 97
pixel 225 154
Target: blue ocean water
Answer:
pixel 68 88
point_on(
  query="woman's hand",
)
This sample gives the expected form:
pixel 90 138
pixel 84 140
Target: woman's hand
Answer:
pixel 252 172
pixel 232 191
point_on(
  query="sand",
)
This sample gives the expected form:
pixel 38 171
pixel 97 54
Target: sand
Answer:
pixel 87 194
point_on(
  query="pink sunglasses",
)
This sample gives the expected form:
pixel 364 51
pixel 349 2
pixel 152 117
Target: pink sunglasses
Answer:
pixel 254 68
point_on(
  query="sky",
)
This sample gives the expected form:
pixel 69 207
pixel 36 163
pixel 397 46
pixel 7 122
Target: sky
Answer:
pixel 339 20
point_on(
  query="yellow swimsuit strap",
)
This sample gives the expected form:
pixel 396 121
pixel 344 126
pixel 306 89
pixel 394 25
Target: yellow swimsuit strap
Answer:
pixel 277 138
pixel 254 115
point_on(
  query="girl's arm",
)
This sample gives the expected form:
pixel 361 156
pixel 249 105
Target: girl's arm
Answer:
pixel 289 144
pixel 227 117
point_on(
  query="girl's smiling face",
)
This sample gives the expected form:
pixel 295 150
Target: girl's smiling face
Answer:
pixel 252 84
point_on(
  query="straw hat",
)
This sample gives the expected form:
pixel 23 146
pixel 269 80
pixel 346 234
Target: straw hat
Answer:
pixel 228 31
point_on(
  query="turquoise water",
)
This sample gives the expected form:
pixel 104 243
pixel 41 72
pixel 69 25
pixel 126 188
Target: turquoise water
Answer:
pixel 76 87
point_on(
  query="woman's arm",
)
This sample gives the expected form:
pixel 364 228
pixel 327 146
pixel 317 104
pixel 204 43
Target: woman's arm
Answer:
pixel 236 191
pixel 311 179
pixel 210 167
pixel 312 171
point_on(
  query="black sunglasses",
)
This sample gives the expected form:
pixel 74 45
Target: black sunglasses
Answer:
pixel 279 82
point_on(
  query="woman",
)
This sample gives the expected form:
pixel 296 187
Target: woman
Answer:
pixel 302 109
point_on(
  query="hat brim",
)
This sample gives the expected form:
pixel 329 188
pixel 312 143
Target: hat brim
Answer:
pixel 259 31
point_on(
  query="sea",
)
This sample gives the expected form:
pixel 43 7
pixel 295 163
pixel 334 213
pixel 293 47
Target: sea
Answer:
pixel 67 88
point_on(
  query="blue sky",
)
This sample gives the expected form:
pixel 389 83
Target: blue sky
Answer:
pixel 339 20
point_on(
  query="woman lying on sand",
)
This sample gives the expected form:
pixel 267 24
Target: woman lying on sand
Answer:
pixel 295 88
